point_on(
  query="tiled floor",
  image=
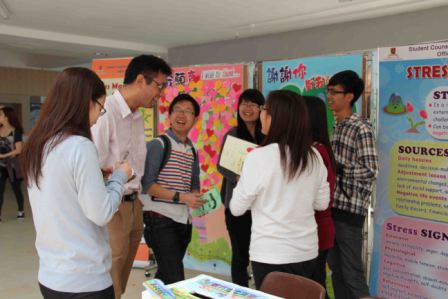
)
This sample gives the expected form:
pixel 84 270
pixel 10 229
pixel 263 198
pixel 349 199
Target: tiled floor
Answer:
pixel 19 261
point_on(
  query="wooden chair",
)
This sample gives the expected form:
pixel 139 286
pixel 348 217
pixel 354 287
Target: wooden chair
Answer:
pixel 290 286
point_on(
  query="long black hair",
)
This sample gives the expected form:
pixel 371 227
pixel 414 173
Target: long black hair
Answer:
pixel 291 129
pixel 254 96
pixel 318 119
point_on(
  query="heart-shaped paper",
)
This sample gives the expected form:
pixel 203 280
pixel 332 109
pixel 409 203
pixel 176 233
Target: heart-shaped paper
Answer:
pixel 236 87
pixel 209 132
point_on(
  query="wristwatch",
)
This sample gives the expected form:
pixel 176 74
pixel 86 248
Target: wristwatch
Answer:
pixel 176 197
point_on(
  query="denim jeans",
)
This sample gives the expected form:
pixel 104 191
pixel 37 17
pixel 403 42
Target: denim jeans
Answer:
pixel 345 261
pixel 239 229
pixel 169 241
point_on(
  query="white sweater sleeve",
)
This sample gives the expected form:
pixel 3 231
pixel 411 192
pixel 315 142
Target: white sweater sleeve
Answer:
pixel 322 198
pixel 248 186
pixel 98 202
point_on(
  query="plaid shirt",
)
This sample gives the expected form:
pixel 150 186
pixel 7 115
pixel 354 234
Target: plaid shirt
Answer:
pixel 353 144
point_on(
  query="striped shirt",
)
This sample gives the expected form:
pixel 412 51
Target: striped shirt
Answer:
pixel 353 145
pixel 176 175
pixel 181 173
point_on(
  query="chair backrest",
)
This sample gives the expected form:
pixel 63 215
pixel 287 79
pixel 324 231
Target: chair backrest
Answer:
pixel 290 286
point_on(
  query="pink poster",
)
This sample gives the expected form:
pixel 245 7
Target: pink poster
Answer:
pixel 216 89
pixel 414 261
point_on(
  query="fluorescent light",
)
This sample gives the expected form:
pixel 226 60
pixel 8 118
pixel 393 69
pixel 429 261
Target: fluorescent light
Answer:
pixel 4 11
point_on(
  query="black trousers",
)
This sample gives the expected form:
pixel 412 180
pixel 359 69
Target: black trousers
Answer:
pixel 239 229
pixel 261 270
pixel 320 272
pixel 15 188
pixel 52 294
pixel 169 241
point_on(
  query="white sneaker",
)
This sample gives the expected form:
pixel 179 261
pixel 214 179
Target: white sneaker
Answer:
pixel 20 214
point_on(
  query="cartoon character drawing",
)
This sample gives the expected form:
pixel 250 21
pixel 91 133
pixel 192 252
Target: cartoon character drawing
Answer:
pixel 395 105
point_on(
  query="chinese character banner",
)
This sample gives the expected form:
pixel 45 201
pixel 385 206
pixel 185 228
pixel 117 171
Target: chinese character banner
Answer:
pixel 308 76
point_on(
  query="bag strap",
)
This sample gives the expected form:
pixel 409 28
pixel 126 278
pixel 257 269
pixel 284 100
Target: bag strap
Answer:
pixel 166 150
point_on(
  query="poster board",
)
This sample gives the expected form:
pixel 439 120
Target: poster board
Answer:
pixel 216 88
pixel 309 76
pixel 410 252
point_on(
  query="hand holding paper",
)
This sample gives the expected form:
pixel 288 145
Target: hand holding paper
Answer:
pixel 192 200
pixel 213 202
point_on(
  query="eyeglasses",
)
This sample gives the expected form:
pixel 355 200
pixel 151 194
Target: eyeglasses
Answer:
pixel 184 112
pixel 263 107
pixel 102 110
pixel 249 105
pixel 334 92
pixel 160 86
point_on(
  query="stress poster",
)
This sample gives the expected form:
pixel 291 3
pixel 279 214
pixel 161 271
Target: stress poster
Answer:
pixel 410 256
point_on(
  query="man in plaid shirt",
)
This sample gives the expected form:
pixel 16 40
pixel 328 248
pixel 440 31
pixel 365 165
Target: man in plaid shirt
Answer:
pixel 357 168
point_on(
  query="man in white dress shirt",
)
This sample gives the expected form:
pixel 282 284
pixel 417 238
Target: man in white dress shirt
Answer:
pixel 119 135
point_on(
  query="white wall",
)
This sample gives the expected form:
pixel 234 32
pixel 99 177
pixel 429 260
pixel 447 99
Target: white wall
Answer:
pixel 11 59
pixel 403 29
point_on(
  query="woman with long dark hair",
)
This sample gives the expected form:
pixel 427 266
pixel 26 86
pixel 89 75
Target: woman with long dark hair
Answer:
pixel 248 128
pixel 282 183
pixel 325 225
pixel 11 136
pixel 70 202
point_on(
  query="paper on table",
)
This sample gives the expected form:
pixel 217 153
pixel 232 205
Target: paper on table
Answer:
pixel 157 289
pixel 213 198
pixel 234 152
pixel 211 287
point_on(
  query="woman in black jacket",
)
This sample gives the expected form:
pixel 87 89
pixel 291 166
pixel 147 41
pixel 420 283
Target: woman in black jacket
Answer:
pixel 248 128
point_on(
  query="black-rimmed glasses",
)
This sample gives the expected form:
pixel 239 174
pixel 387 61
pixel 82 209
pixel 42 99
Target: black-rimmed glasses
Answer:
pixel 333 92
pixel 102 110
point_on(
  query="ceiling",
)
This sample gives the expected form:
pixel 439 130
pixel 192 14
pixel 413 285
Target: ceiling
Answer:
pixel 58 33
